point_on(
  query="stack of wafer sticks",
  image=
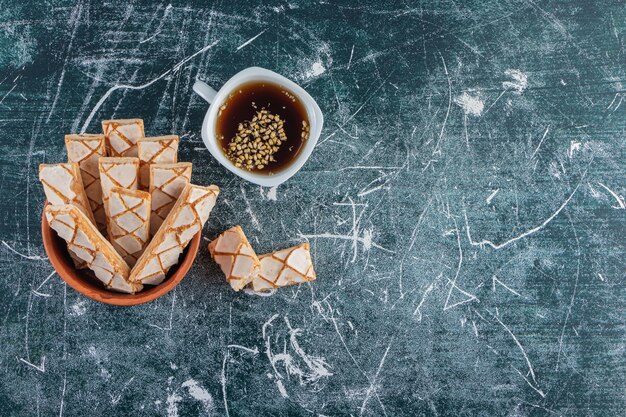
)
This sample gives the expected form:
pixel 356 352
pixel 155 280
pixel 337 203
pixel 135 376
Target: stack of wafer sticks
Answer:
pixel 124 204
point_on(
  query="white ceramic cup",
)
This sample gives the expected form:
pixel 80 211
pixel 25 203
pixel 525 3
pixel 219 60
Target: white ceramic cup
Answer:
pixel 216 98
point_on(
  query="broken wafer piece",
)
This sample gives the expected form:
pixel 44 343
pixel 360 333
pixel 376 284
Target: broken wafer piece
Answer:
pixel 233 253
pixel 185 220
pixel 85 149
pixel 155 150
pixel 121 136
pixel 63 184
pixel 167 181
pixel 130 222
pixel 117 172
pixel 84 239
pixel 284 267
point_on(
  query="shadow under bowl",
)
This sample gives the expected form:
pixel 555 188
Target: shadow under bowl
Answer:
pixel 85 282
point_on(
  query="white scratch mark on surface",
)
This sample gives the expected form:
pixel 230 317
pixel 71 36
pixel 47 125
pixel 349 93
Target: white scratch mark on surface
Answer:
pixel 270 357
pixel 249 41
pixel 453 286
pixel 492 195
pixel 621 98
pixel 142 86
pixel 619 198
pixel 36 291
pixel 370 167
pixel 281 388
pixel 482 243
pixel 350 60
pixel 316 70
pixel 253 218
pixel 471 105
pixel 40 294
pixel 78 308
pixel 445 119
pixel 317 367
pixel 167 11
pixel 169 327
pixel 74 18
pixel 475 329
pixel 355 235
pixel 343 342
pixel 569 311
pixel 496 100
pixel 573 148
pixel 495 280
pixel 328 315
pixel 115 399
pixel 172 404
pixel 519 81
pixel 63 393
pixel 272 194
pixel 198 392
pixel 365 240
pixel 223 381
pixel 372 386
pixel 254 351
pixel 9 92
pixel 371 190
pixel 414 234
pixel 40 368
pixel 30 257
pixel 540 392
pixel 531 371
pixel 540 142
pixel 418 311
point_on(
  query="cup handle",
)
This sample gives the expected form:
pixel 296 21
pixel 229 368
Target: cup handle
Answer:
pixel 204 91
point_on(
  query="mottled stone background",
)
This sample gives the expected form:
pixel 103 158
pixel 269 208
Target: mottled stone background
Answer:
pixel 464 206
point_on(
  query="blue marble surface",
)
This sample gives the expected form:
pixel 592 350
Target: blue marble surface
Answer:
pixel 464 208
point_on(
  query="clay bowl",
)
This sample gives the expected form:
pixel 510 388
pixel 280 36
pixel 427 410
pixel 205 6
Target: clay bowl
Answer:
pixel 88 285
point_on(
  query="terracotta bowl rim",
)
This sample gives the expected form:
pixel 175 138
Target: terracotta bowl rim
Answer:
pixel 73 277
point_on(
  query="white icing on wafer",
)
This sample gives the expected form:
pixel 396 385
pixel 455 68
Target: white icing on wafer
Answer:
pixel 235 256
pixel 121 136
pixel 85 150
pixel 167 181
pixel 284 267
pixel 86 242
pixel 130 222
pixel 155 150
pixel 185 220
pixel 117 172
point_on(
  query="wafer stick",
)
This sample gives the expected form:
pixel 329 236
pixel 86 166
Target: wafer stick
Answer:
pixel 130 222
pixel 84 239
pixel 121 136
pixel 116 172
pixel 167 181
pixel 233 253
pixel 85 150
pixel 63 184
pixel 155 150
pixel 284 267
pixel 186 219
